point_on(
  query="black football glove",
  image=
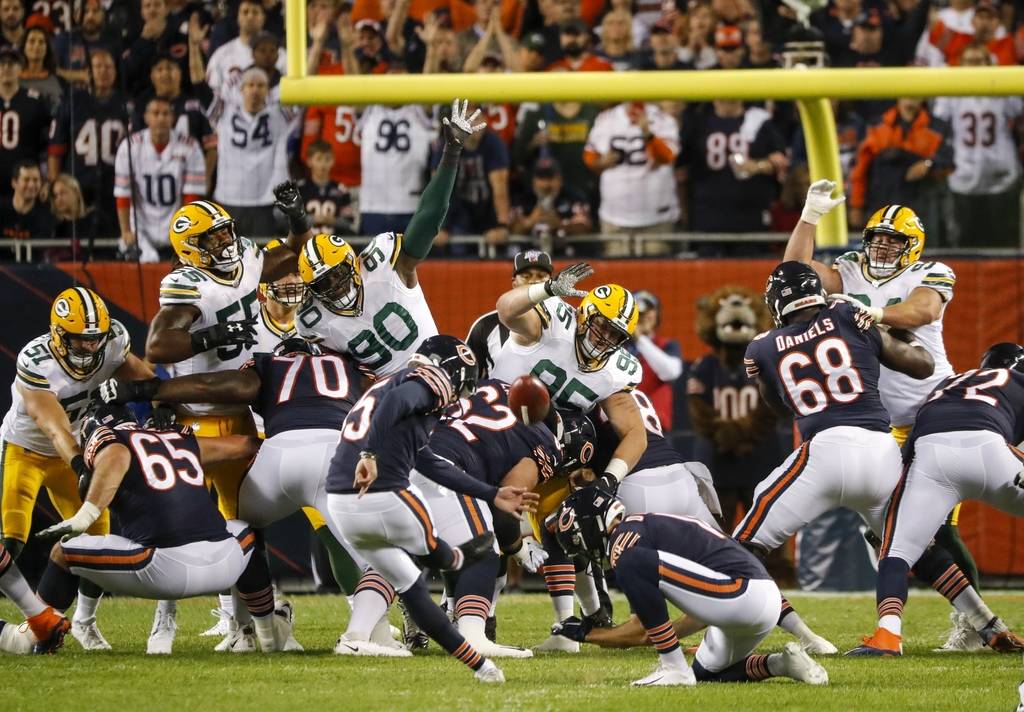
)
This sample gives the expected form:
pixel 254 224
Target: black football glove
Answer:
pixel 162 417
pixel 82 473
pixel 119 392
pixel 228 333
pixel 573 628
pixel 288 200
pixel 607 483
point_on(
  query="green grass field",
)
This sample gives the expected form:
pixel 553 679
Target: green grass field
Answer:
pixel 195 678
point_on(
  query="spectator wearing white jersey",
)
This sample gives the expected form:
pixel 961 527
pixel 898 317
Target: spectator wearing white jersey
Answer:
pixel 252 154
pixel 156 170
pixel 985 183
pixel 633 146
pixel 232 58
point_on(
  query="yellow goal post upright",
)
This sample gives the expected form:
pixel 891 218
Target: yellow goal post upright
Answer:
pixel 811 88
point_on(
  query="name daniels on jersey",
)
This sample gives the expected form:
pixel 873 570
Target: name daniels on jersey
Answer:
pixel 817 329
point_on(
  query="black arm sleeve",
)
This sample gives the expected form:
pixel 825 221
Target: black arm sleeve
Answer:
pixel 436 468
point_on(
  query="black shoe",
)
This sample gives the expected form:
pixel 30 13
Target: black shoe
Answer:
pixel 600 619
pixel 491 629
pixel 477 548
pixel 412 636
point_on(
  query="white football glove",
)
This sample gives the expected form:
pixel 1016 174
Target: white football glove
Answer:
pixel 564 285
pixel 866 316
pixel 460 127
pixel 83 519
pixel 531 556
pixel 820 201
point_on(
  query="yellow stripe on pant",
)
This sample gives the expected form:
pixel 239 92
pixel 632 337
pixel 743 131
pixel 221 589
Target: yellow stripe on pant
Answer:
pixel 901 433
pixel 225 477
pixel 23 473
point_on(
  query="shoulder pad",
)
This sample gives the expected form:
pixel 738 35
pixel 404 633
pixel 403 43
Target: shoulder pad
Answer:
pixel 762 335
pixel 99 439
pixel 435 379
pixel 382 249
pixel 625 369
pixel 33 93
pixel 181 286
pixel 854 256
pixel 119 334
pixel 34 364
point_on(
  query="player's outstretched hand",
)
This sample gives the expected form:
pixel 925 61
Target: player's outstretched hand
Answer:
pixel 459 127
pixel 866 316
pixel 366 473
pixel 288 200
pixel 564 285
pixel 573 628
pixel 820 201
pixel 531 556
pixel 229 333
pixel 119 392
pixel 514 500
pixel 83 519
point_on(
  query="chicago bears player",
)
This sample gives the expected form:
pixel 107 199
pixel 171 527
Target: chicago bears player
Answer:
pixel 382 515
pixel 207 316
pixel 47 627
pixel 173 542
pixel 371 306
pixel 961 448
pixel 899 290
pixel 710 577
pixel 58 376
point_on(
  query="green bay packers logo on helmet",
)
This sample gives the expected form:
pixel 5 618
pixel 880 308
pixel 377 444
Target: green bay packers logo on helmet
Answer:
pixel 79 327
pixel 893 240
pixel 605 320
pixel 329 267
pixel 202 234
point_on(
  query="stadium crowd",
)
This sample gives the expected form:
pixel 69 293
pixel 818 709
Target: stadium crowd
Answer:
pixel 194 85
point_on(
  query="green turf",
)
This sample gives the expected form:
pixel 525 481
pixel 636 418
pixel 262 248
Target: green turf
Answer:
pixel 196 679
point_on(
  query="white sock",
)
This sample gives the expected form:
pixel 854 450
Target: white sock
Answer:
pixel 227 603
pixel 674 659
pixel 168 607
pixel 893 624
pixel 586 591
pixel 472 629
pixel 368 607
pixel 239 611
pixel 563 607
pixel 499 586
pixel 795 626
pixel 85 608
pixel 15 587
pixel 970 604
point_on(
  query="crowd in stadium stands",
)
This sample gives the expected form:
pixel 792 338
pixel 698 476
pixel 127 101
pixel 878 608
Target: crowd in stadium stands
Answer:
pixel 115 111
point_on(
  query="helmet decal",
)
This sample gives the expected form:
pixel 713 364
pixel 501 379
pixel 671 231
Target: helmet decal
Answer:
pixel 565 520
pixel 603 292
pixel 586 453
pixel 181 224
pixel 466 354
pixel 61 307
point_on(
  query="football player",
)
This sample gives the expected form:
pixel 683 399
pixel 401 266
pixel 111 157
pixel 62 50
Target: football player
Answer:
pixel 58 376
pixel 206 322
pixel 888 277
pixel 371 306
pixel 822 365
pixel 707 575
pixel 173 542
pixel 960 448
pixel 578 355
pixel 47 627
pixel 379 512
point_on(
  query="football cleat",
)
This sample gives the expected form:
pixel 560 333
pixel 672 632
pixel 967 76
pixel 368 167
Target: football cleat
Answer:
pixel 814 644
pixel 797 665
pixel 667 677
pixel 88 635
pixel 1001 641
pixel 883 644
pixel 415 639
pixel 240 639
pixel 284 622
pixel 161 636
pixel 48 628
pixel 558 644
pixel 491 628
pixel 489 673
pixel 365 648
pixel 962 638
pixel 386 635
pixel 495 650
pixel 16 639
pixel 219 629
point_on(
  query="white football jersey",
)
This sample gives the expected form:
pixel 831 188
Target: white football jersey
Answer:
pixel 269 334
pixel 984 150
pixel 252 153
pixel 219 299
pixel 636 192
pixel 161 180
pixel 39 370
pixel 901 394
pixel 395 153
pixel 395 318
pixel 553 361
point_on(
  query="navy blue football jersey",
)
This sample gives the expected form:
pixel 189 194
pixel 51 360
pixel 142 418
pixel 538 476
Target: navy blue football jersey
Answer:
pixel 394 428
pixel 487 440
pixel 659 450
pixel 163 500
pixel 825 370
pixel 299 391
pixel 688 538
pixel 989 399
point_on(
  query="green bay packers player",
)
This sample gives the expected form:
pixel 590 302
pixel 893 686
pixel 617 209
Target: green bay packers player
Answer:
pixel 899 290
pixel 209 306
pixel 578 355
pixel 58 376
pixel 371 305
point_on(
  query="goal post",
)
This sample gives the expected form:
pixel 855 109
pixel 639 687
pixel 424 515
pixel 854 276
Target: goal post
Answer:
pixel 810 88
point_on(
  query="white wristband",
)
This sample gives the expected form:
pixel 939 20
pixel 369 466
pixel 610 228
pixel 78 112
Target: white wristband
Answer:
pixel 877 313
pixel 85 516
pixel 617 468
pixel 810 216
pixel 537 293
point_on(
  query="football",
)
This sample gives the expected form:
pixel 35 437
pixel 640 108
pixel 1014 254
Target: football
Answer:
pixel 529 399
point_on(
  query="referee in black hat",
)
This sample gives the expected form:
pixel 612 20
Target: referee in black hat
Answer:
pixel 488 335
